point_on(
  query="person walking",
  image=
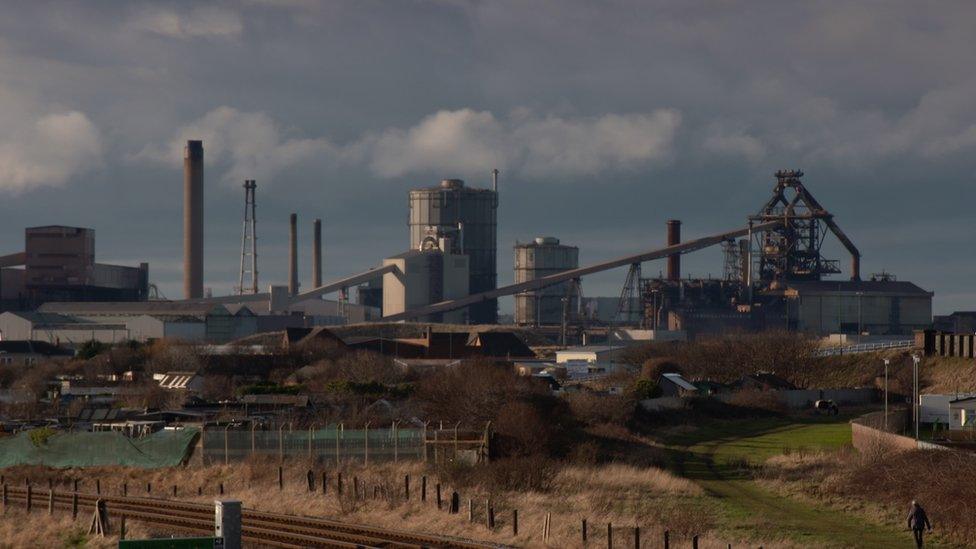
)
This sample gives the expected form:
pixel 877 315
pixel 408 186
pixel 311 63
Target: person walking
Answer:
pixel 918 522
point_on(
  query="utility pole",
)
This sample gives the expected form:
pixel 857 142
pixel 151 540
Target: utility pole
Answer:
pixel 886 362
pixel 915 362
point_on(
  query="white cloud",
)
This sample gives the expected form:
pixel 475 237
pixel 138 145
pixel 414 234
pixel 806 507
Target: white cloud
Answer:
pixel 466 141
pixel 724 141
pixel 447 142
pixel 43 146
pixel 201 21
pixel 249 144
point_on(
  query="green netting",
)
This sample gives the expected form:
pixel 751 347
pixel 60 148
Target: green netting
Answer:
pixel 160 449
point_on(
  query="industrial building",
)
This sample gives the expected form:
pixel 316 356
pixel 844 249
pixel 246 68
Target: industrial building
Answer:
pixel 58 264
pixel 424 276
pixel 541 257
pixel 469 216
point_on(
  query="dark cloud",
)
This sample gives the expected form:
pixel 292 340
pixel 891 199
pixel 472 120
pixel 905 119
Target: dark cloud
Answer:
pixel 607 118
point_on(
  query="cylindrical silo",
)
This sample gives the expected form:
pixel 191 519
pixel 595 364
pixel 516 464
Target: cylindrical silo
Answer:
pixel 193 220
pixel 542 257
pixel 469 214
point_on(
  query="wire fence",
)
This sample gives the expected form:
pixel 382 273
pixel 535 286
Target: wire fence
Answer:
pixel 335 443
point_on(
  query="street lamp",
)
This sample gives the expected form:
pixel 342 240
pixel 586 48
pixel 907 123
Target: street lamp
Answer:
pixel 915 361
pixel 886 362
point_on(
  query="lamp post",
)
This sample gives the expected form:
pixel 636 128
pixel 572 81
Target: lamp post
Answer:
pixel 915 361
pixel 886 362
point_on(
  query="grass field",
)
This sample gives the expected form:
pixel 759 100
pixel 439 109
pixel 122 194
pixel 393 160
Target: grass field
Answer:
pixel 721 458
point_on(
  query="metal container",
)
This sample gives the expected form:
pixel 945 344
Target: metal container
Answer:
pixel 542 257
pixel 469 214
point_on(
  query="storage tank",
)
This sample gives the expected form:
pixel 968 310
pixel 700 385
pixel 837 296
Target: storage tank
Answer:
pixel 542 257
pixel 470 215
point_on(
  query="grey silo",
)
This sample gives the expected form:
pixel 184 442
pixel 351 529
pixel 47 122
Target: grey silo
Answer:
pixel 471 215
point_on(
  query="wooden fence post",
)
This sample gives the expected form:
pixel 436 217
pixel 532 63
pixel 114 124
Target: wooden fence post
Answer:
pixel 423 488
pixel 455 503
pixel 281 478
pixel 148 487
pixel 584 531
pixel 325 483
pixel 438 486
pixel 122 527
pixel 29 494
pixel 98 486
pixel 470 510
pixel 74 505
pixel 694 542
pixel 339 484
pixel 667 539
pixel 50 501
pixel 491 516
pixel 125 489
pixel 310 478
pixel 514 522
pixel 406 487
pixel 546 527
pixel 355 487
pixel 609 535
pixel 4 497
pixel 338 446
pixel 636 537
pixel 220 487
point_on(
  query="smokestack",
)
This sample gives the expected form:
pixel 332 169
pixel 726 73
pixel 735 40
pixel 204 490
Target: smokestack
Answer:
pixel 317 254
pixel 193 220
pixel 494 180
pixel 674 260
pixel 293 255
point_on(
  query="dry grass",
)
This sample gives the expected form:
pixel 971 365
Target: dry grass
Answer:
pixel 620 494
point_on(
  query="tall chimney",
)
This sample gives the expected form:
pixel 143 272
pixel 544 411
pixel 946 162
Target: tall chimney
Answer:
pixel 193 220
pixel 494 180
pixel 293 255
pixel 674 260
pixel 317 254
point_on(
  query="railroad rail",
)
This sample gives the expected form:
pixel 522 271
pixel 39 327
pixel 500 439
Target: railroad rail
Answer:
pixel 258 527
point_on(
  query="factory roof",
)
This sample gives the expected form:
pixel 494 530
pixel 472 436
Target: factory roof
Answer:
pixel 867 286
pixel 681 382
pixel 132 308
pixel 33 347
pixel 53 320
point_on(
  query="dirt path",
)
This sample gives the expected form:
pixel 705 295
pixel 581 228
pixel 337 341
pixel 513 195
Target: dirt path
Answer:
pixel 750 509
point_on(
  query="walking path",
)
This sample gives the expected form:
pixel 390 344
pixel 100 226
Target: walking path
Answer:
pixel 717 464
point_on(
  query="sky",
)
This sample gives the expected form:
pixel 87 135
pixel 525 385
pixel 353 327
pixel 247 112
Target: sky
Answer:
pixel 604 118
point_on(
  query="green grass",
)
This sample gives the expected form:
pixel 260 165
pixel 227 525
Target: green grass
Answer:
pixel 721 457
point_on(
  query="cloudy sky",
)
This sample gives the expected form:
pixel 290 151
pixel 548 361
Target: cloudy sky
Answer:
pixel 605 118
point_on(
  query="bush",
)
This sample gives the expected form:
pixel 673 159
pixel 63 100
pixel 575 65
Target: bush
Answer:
pixel 40 436
pixel 90 349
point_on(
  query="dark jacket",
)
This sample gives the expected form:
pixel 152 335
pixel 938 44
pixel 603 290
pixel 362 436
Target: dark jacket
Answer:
pixel 917 519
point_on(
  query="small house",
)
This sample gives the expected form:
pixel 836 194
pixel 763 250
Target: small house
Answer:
pixel 674 385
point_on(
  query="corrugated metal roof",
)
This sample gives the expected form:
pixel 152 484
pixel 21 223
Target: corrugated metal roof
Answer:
pixel 872 286
pixel 680 381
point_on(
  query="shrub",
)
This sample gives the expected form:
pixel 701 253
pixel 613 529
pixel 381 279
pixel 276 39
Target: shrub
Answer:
pixel 40 436
pixel 90 349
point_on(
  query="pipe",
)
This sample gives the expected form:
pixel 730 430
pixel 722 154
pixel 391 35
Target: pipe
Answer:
pixel 317 253
pixel 674 260
pixel 293 255
pixel 494 180
pixel 193 220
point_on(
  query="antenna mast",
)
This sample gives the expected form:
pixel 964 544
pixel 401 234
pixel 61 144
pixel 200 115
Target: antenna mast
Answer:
pixel 249 245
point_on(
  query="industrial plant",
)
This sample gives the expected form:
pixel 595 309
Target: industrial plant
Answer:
pixel 775 277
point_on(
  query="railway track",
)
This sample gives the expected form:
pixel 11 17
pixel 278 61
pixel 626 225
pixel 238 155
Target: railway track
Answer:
pixel 258 527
